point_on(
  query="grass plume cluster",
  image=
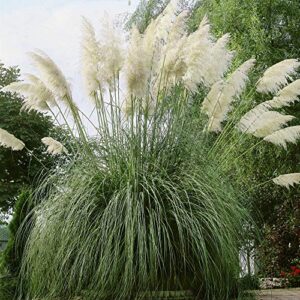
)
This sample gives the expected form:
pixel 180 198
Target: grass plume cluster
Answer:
pixel 150 202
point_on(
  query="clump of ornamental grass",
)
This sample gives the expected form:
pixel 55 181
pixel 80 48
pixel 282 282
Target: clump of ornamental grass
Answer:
pixel 149 203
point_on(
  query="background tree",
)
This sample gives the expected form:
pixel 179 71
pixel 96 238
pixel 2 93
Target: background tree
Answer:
pixel 21 168
pixel 150 9
pixel 267 30
pixel 146 10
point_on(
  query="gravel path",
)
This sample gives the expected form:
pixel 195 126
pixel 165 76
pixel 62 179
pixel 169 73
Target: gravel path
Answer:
pixel 279 294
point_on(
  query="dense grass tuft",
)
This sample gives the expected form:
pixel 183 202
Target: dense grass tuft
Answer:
pixel 151 212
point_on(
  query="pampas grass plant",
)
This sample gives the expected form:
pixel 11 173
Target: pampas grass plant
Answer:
pixel 149 203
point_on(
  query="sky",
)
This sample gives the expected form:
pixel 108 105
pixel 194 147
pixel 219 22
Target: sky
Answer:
pixel 54 27
pixel 50 25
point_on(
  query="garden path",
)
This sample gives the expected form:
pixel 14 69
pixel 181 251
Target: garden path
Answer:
pixel 279 294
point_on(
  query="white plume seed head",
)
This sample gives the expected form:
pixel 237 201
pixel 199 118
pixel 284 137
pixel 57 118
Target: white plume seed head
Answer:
pixel 252 116
pixel 178 29
pixel 268 123
pixel 8 140
pixel 90 59
pixel 287 95
pixel 277 76
pixel 137 68
pixel 218 102
pixel 196 56
pixel 111 51
pixel 219 60
pixel 166 19
pixel 283 136
pixel 287 180
pixel 51 75
pixel 36 95
pixel 53 147
pixel 211 100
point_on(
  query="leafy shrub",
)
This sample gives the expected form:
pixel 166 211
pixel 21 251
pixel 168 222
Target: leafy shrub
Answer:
pixel 292 276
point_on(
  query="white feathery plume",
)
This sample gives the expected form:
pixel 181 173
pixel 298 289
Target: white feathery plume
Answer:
pixel 287 95
pixel 51 75
pixel 268 123
pixel 236 82
pixel 219 104
pixel 172 62
pixel 152 47
pixel 163 43
pixel 90 59
pixel 252 116
pixel 112 52
pixel 283 136
pixel 152 50
pixel 42 96
pixel 149 39
pixel 178 28
pixel 212 98
pixel 8 140
pixel 287 180
pixel 196 55
pixel 220 60
pixel 166 19
pixel 277 76
pixel 53 147
pixel 36 95
pixel 27 91
pixel 136 66
pixel 214 125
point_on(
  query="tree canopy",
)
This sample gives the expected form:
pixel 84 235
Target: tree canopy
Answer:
pixel 267 30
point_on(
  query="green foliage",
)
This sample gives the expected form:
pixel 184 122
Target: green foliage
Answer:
pixel 150 9
pixel 21 168
pixel 281 242
pixel 249 282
